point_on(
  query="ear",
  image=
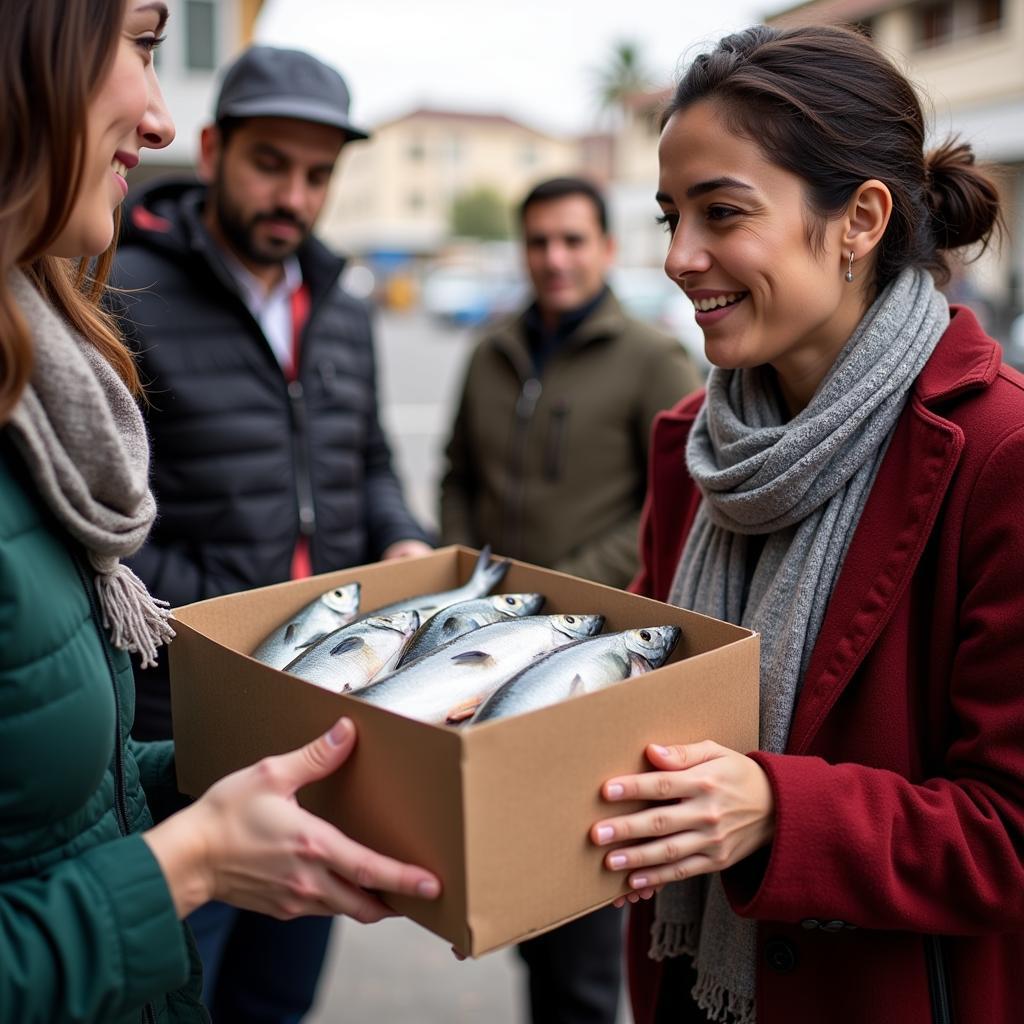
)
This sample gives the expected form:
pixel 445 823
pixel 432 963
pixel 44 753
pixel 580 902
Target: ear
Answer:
pixel 867 216
pixel 209 153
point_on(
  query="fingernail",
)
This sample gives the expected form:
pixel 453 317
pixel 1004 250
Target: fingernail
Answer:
pixel 428 888
pixel 615 790
pixel 339 732
pixel 617 860
pixel 604 833
pixel 661 751
pixel 639 882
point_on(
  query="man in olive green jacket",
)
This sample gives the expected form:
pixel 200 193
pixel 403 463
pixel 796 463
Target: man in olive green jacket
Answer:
pixel 547 462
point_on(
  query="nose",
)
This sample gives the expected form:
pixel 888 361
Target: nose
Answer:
pixel 292 193
pixel 687 255
pixel 156 129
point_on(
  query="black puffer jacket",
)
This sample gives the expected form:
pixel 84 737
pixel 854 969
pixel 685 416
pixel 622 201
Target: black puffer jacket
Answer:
pixel 242 459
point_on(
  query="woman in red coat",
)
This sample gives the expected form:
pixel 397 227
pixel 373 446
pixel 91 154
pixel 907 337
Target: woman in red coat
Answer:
pixel 851 486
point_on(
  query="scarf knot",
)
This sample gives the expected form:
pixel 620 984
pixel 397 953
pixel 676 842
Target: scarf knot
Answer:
pixel 802 485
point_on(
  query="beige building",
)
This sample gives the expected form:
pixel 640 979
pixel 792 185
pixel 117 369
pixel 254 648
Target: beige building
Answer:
pixel 206 35
pixel 395 192
pixel 967 56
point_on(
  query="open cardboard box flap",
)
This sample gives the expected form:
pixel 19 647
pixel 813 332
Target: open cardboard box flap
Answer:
pixel 501 811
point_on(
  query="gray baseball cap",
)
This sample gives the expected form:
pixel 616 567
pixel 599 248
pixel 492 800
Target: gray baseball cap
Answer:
pixel 269 82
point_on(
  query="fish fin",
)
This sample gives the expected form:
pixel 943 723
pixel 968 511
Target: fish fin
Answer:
pixel 305 646
pixel 577 686
pixel 638 665
pixel 453 625
pixel 289 633
pixel 350 643
pixel 473 658
pixel 467 709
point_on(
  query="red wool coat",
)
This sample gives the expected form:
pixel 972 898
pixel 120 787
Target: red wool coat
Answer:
pixel 900 798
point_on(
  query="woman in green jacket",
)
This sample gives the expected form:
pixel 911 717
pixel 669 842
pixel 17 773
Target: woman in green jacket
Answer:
pixel 92 894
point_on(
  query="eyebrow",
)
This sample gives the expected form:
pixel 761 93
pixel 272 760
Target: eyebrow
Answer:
pixel 160 9
pixel 702 188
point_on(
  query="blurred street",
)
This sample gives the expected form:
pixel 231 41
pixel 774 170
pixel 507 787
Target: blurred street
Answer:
pixel 396 972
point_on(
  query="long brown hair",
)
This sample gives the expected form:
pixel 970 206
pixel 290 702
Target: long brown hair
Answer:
pixel 823 103
pixel 53 55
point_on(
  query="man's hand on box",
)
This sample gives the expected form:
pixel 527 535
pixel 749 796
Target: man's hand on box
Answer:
pixel 406 549
pixel 247 842
pixel 714 807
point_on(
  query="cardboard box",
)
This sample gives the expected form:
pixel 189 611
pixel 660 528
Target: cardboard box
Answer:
pixel 500 812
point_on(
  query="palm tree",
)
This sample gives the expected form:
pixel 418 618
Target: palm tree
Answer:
pixel 622 77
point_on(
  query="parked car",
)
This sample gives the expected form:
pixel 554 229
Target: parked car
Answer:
pixel 647 294
pixel 467 296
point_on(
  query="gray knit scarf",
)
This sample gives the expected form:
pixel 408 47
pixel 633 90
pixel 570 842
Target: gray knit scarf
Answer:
pixel 84 441
pixel 802 484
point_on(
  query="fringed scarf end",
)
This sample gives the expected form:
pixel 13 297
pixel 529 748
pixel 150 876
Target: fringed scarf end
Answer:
pixel 721 1004
pixel 138 622
pixel 673 938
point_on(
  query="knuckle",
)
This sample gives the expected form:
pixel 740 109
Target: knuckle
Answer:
pixel 365 912
pixel 364 876
pixel 663 786
pixel 706 785
pixel 672 850
pixel 712 817
pixel 680 872
pixel 266 770
pixel 660 824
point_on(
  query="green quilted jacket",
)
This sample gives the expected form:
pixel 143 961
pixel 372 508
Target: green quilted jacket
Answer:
pixel 88 930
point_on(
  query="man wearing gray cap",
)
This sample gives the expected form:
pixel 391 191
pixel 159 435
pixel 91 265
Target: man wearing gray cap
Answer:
pixel 269 461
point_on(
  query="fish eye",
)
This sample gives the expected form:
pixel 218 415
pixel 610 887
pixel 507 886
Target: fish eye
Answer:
pixel 510 600
pixel 645 634
pixel 570 619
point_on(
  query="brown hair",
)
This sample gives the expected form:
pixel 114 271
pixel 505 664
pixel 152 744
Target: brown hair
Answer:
pixel 53 54
pixel 823 103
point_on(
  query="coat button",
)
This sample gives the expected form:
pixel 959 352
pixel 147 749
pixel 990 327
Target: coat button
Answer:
pixel 810 923
pixel 780 955
pixel 833 926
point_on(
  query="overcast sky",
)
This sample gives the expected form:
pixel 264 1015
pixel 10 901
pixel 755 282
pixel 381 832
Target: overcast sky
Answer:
pixel 532 59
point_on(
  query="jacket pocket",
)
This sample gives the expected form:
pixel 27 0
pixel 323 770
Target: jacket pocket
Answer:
pixel 555 445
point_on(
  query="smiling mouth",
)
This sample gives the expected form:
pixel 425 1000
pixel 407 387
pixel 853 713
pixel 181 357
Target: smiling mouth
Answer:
pixel 706 305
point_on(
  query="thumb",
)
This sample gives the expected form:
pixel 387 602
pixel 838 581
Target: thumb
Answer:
pixel 317 760
pixel 682 755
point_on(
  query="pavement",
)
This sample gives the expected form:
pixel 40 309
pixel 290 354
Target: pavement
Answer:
pixel 396 972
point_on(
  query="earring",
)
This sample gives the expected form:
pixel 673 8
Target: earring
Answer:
pixel 849 269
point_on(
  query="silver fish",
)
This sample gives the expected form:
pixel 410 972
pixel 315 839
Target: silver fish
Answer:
pixel 579 668
pixel 311 624
pixel 448 683
pixel 484 579
pixel 451 623
pixel 350 657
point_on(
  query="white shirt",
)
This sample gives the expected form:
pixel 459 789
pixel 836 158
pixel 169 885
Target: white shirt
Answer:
pixel 272 309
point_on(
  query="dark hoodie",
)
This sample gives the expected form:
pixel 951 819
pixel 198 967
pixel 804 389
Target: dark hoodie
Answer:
pixel 244 459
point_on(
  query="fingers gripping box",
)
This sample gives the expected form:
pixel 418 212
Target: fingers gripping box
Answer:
pixel 501 812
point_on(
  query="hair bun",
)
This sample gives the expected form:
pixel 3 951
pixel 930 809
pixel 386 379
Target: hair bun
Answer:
pixel 962 199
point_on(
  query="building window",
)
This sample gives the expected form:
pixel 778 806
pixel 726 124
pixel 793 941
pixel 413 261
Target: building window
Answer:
pixel 528 156
pixel 940 22
pixel 935 23
pixel 200 42
pixel 990 14
pixel 416 151
pixel 415 202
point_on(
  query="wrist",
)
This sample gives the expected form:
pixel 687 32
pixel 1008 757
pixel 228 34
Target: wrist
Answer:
pixel 180 847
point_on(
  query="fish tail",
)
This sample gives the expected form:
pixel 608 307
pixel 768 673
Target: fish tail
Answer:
pixel 486 575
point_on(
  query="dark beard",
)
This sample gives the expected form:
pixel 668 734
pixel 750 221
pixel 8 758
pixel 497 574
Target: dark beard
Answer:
pixel 241 234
